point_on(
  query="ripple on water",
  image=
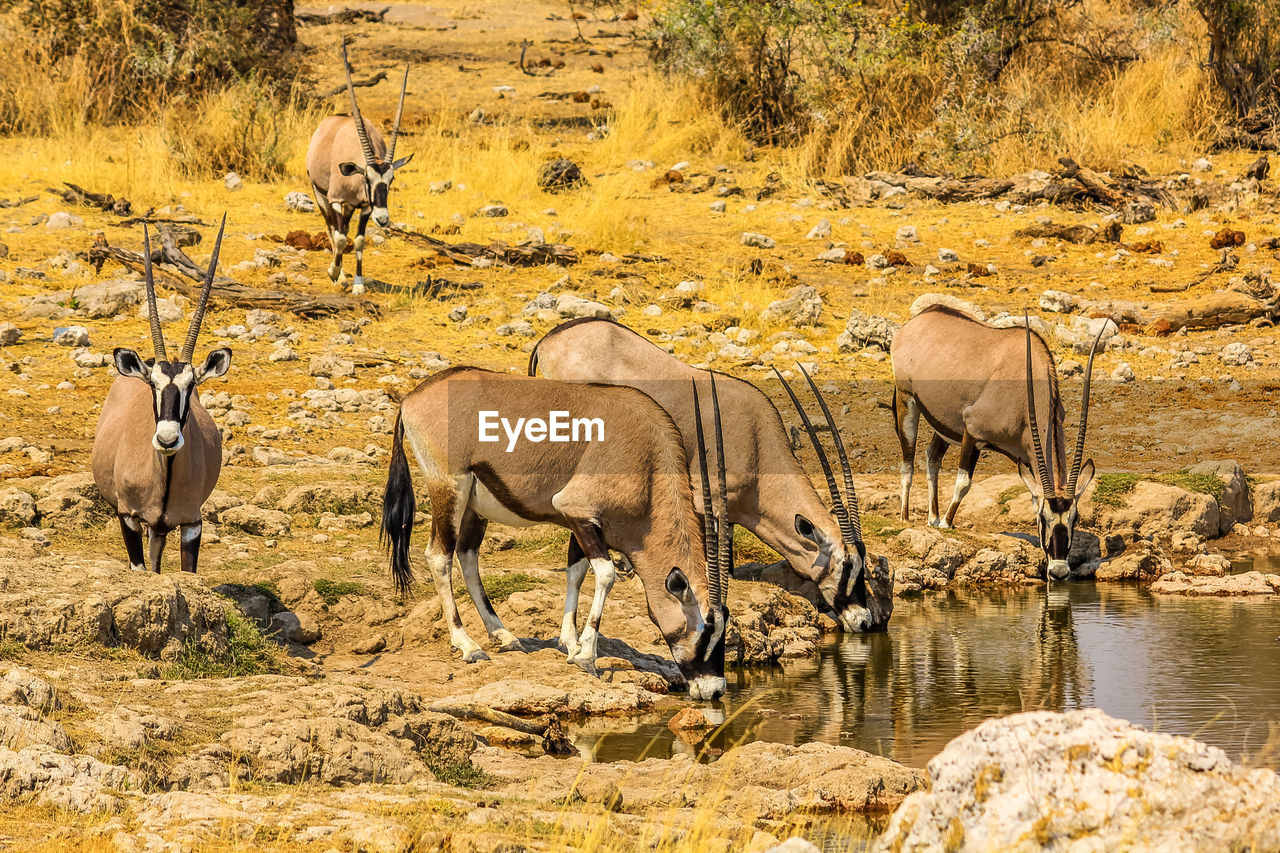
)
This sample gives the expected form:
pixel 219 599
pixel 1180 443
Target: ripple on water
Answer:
pixel 1191 666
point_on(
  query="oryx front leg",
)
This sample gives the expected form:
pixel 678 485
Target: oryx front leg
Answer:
pixel 585 658
pixel 342 222
pixel 357 284
pixel 189 536
pixel 933 464
pixel 575 574
pixel 132 530
pixel 587 535
pixel 157 537
pixel 470 537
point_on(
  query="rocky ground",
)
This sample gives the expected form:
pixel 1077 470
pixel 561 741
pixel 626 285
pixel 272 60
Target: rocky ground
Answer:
pixel 147 711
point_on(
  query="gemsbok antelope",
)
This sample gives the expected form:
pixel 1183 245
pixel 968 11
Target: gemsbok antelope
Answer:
pixel 621 483
pixel 967 379
pixel 351 169
pixel 156 452
pixel 768 491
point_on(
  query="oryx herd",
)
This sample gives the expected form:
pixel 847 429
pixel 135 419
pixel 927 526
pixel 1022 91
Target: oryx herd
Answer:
pixel 652 490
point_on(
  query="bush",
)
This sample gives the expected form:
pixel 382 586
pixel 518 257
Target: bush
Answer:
pixel 114 61
pixel 1244 52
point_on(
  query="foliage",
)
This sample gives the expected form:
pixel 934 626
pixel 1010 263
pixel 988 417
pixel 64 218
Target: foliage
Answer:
pixel 247 653
pixel 111 61
pixel 464 774
pixel 1244 52
pixel 331 591
pixel 878 525
pixel 1112 488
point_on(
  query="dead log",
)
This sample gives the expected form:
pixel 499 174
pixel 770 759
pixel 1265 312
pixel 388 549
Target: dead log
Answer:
pixel 951 190
pixel 519 255
pixel 1081 235
pixel 547 727
pixel 358 84
pixel 1234 138
pixel 342 16
pixel 172 265
pixel 1095 184
pixel 4 202
pixel 102 201
pixel 1259 168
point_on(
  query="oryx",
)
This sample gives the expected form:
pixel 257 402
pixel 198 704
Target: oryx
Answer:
pixel 351 169
pixel 156 451
pixel 768 490
pixel 976 385
pixel 625 487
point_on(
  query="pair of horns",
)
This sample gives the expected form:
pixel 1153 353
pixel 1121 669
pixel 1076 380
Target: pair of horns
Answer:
pixel 717 536
pixel 1043 469
pixel 369 159
pixel 193 331
pixel 845 507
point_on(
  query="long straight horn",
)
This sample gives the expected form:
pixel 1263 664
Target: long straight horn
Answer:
pixel 709 547
pixel 157 334
pixel 851 495
pixel 395 131
pixel 355 111
pixel 837 502
pixel 1078 459
pixel 193 331
pixel 1042 464
pixel 724 536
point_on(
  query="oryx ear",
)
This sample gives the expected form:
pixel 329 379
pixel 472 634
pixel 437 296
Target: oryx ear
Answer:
pixel 1085 478
pixel 217 363
pixel 402 162
pixel 129 363
pixel 1032 484
pixel 348 169
pixel 808 530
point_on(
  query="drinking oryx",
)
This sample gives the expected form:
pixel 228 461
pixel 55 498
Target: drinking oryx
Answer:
pixel 768 491
pixel 156 451
pixel 967 379
pixel 351 168
pixel 623 484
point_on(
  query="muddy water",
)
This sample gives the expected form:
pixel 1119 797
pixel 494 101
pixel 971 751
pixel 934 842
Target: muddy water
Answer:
pixel 1186 666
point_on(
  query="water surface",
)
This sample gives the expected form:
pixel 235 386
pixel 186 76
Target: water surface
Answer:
pixel 1209 668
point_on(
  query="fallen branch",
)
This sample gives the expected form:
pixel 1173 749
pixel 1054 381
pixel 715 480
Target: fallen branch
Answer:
pixel 102 201
pixel 342 16
pixel 356 84
pixel 1081 235
pixel 4 202
pixel 173 266
pixel 547 727
pixel 520 255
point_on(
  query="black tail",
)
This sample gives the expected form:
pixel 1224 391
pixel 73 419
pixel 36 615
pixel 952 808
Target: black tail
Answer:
pixel 533 360
pixel 398 506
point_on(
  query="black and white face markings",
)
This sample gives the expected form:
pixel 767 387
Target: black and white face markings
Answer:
pixel 172 384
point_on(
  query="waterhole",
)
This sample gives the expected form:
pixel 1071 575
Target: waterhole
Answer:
pixel 1190 666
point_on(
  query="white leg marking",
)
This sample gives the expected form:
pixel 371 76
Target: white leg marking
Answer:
pixel 574 576
pixel 586 656
pixel 132 523
pixel 441 572
pixel 191 532
pixel 908 470
pixel 962 489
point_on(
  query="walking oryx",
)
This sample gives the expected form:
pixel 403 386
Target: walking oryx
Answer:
pixel 966 378
pixel 768 491
pixel 351 169
pixel 622 483
pixel 156 451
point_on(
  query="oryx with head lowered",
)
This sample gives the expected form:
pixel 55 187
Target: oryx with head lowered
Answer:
pixel 351 169
pixel 623 486
pixel 768 490
pixel 976 385
pixel 156 451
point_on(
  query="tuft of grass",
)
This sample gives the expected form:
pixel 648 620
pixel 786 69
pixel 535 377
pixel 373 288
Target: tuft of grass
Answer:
pixel 501 587
pixel 1009 494
pixel 879 525
pixel 748 549
pixel 331 591
pixel 464 774
pixel 12 650
pixel 1112 488
pixel 247 653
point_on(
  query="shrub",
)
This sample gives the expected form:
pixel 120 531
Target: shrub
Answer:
pixel 1244 52
pixel 247 653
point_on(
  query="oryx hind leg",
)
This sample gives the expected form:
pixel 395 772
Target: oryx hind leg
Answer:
pixel 447 503
pixel 933 464
pixel 575 574
pixel 906 415
pixel 969 454
pixel 189 540
pixel 131 528
pixel 157 536
pixel 470 535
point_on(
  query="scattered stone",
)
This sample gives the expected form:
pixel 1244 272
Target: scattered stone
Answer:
pixel 9 334
pixel 821 231
pixel 1143 561
pixel 233 182
pixel 256 521
pixel 60 220
pixel 801 306
pixel 865 330
pixel 331 366
pixel 907 234
pixel 1123 372
pixel 948 256
pixel 1247 583
pixel 560 175
pixel 167 310
pixel 300 202
pixel 689 718
pixel 522 328
pixel 1057 302
pixel 759 241
pixel 69 336
pixel 493 211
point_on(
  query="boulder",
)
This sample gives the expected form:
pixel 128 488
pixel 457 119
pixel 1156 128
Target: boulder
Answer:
pixel 1247 583
pixel 331 366
pixel 521 697
pixel 821 777
pixel 1156 508
pixel 1084 781
pixel 1266 502
pixel 862 331
pixel 338 497
pixel 800 306
pixel 1207 565
pixel 72 500
pixel 935 549
pixel 571 305
pixel 103 299
pixel 256 521
pixel 1143 561
pixel 17 508
pixel 76 783
pixel 22 727
pixel 1234 506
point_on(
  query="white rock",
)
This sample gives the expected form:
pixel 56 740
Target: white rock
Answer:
pixel 820 231
pixel 760 241
pixel 300 202
pixel 1057 302
pixel 907 234
pixel 948 256
pixel 1123 372
pixel 232 182
pixel 61 219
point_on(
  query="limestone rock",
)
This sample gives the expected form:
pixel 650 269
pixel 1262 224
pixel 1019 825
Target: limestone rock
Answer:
pixel 935 549
pixel 17 508
pixel 1234 506
pixel 1247 583
pixel 1266 502
pixel 77 783
pixel 800 306
pixel 1152 508
pixel 331 366
pixel 862 331
pixel 339 497
pixel 1143 561
pixel 72 500
pixel 1084 781
pixel 256 521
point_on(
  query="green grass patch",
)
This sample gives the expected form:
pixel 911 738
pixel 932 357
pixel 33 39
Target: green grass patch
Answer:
pixel 1012 492
pixel 749 549
pixel 880 525
pixel 331 591
pixel 501 587
pixel 247 653
pixel 464 774
pixel 1113 488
